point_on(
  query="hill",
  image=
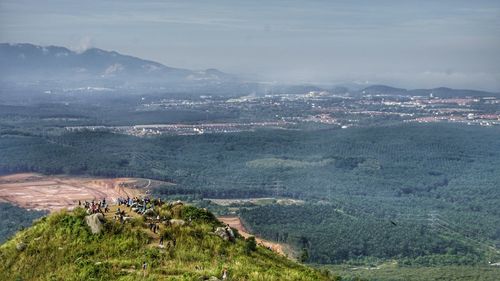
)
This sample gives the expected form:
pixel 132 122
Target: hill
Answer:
pixel 441 92
pixel 61 246
pixel 96 70
pixel 383 90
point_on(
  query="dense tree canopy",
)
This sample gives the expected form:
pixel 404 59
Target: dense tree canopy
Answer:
pixel 387 192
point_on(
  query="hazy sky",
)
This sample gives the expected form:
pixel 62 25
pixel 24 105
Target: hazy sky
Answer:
pixel 404 43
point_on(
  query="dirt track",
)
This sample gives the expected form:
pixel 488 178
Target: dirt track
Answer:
pixel 35 191
pixel 235 222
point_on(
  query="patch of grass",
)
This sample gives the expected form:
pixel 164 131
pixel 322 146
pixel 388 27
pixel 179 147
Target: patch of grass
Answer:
pixel 272 162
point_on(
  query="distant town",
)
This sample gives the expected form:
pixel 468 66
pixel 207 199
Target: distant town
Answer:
pixel 315 108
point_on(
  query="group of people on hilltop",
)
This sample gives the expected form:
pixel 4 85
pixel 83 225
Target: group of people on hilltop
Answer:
pixel 142 207
pixel 94 207
pixel 139 205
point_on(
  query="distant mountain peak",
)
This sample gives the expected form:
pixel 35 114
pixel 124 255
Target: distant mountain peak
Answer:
pixel 25 62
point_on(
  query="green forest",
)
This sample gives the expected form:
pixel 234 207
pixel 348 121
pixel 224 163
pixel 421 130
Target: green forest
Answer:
pixel 15 218
pixel 424 194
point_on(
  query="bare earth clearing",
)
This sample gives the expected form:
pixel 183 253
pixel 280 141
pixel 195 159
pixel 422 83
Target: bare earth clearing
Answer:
pixel 235 222
pixel 52 193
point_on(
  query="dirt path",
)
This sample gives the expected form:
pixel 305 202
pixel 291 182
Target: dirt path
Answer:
pixel 235 222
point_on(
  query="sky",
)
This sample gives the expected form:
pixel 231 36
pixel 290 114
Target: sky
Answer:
pixel 412 44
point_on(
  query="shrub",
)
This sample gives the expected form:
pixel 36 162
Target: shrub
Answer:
pixel 250 245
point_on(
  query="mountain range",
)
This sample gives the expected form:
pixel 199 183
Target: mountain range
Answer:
pixel 59 66
pixel 442 92
pixel 94 69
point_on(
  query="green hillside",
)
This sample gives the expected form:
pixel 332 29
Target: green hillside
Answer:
pixel 61 246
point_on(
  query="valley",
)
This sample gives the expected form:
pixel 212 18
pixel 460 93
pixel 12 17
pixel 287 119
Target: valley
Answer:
pixel 250 140
pixel 367 181
pixel 334 195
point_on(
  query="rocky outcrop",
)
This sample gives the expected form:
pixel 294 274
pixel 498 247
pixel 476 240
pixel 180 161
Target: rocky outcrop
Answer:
pixel 20 246
pixel 95 222
pixel 225 233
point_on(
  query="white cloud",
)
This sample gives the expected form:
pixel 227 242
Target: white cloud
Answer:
pixel 85 43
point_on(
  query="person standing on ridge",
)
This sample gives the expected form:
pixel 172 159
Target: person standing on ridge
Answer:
pixel 144 266
pixel 224 274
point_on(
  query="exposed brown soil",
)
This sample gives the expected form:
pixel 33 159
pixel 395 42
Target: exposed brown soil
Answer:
pixel 36 191
pixel 235 222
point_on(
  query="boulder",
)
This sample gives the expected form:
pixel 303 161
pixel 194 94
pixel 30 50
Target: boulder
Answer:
pixel 223 233
pixel 126 219
pixel 177 222
pixel 20 246
pixel 95 222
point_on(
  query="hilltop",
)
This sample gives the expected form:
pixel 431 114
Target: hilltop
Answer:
pixel 61 246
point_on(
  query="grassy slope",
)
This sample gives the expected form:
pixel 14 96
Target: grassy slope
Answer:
pixel 61 247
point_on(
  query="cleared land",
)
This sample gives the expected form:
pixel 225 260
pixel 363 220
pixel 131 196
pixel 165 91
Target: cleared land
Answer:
pixel 235 222
pixel 257 201
pixel 52 193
